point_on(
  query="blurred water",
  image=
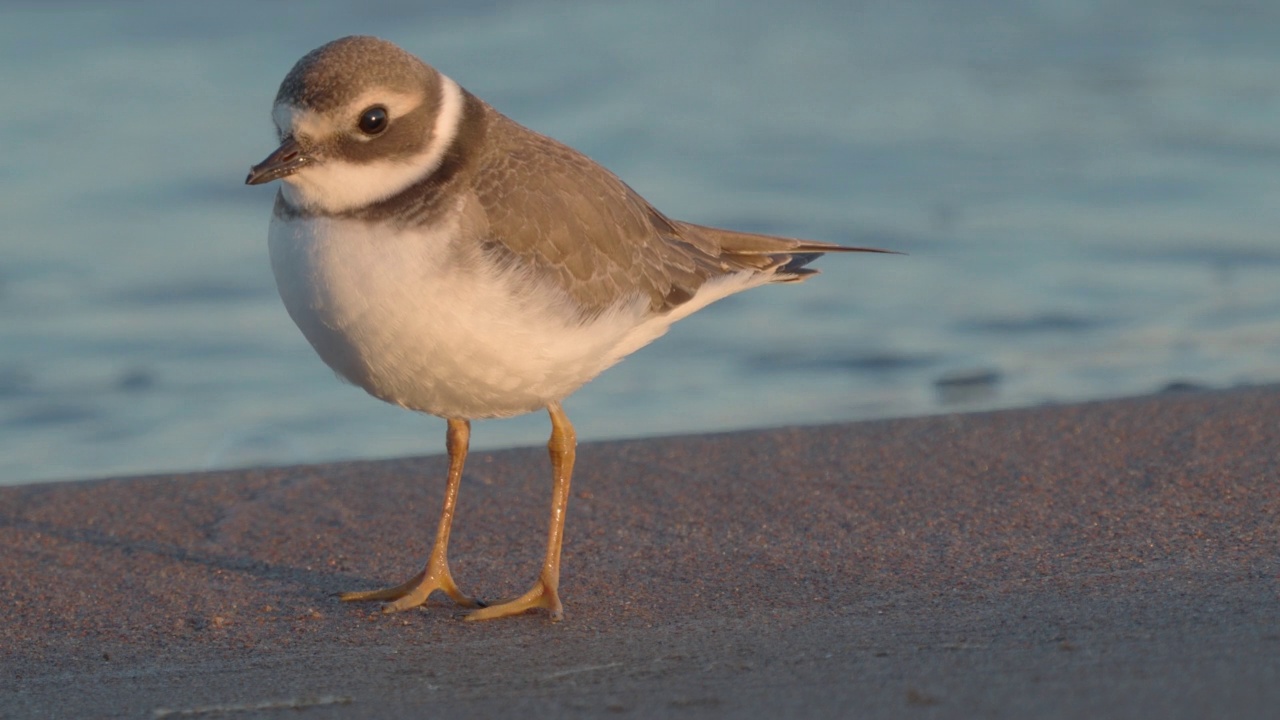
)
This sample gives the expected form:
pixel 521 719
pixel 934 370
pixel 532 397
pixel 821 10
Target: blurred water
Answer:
pixel 1089 193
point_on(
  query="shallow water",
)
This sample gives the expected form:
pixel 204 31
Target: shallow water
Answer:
pixel 1089 193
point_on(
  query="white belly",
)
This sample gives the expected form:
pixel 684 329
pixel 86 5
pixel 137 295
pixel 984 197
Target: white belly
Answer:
pixel 396 313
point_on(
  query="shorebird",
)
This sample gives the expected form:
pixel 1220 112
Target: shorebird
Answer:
pixel 451 261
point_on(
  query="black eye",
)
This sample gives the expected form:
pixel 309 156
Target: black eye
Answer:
pixel 373 120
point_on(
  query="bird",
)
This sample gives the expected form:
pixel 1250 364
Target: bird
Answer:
pixel 451 261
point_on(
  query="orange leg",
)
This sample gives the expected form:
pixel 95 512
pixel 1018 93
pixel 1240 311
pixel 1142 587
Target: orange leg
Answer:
pixel 544 593
pixel 435 576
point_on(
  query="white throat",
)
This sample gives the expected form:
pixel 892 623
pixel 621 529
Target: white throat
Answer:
pixel 335 186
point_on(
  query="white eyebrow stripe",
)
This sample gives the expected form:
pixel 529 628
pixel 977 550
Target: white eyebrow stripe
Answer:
pixel 396 103
pixel 293 120
pixel 296 121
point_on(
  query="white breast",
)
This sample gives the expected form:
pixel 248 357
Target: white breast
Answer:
pixel 396 313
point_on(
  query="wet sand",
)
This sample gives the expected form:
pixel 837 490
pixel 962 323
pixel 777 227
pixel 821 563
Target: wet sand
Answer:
pixel 1108 559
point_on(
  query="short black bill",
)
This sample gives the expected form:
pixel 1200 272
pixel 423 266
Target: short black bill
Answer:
pixel 285 161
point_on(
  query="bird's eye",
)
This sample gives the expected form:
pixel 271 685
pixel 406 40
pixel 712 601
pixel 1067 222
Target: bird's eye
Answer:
pixel 373 120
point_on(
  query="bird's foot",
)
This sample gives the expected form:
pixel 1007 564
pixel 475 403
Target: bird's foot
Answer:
pixel 414 592
pixel 542 595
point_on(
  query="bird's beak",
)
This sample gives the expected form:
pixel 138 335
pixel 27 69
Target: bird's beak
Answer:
pixel 285 161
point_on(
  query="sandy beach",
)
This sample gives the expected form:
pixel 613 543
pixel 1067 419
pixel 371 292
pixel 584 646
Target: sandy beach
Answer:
pixel 1113 559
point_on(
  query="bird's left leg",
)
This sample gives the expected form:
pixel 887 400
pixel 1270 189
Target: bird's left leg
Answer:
pixel 436 575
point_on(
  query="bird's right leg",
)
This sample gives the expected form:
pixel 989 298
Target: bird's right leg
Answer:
pixel 545 592
pixel 436 575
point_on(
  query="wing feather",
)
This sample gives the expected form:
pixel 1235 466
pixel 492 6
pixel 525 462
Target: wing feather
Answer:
pixel 581 228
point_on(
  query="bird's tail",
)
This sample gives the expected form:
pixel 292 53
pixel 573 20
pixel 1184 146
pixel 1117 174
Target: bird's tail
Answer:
pixel 785 257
